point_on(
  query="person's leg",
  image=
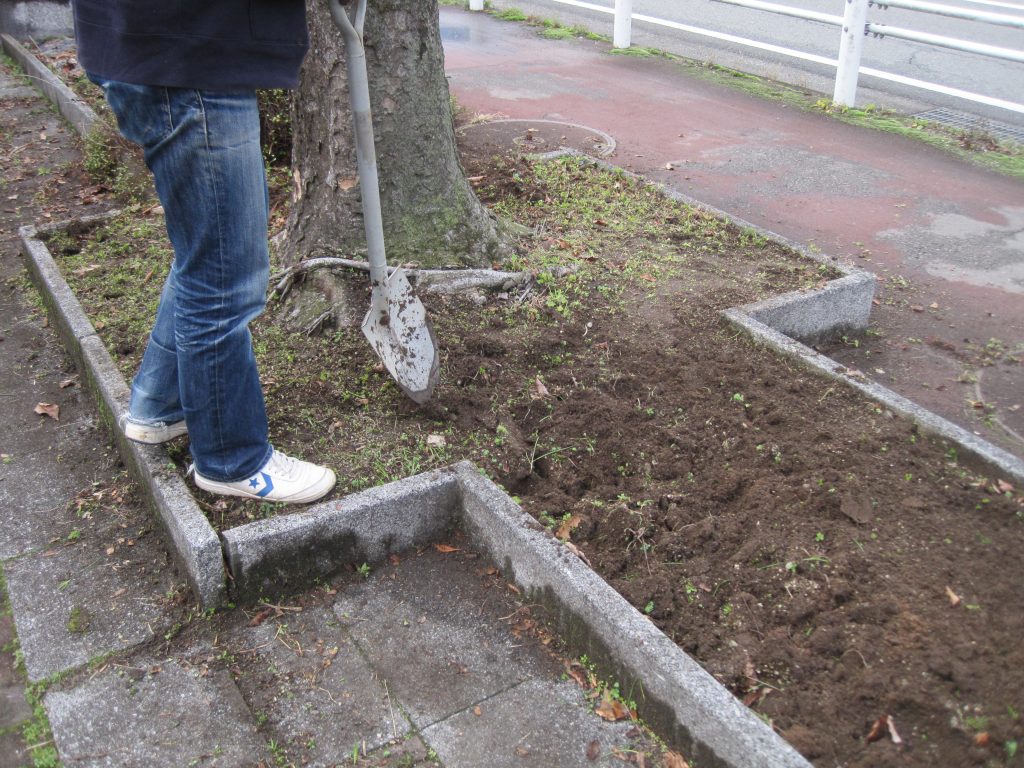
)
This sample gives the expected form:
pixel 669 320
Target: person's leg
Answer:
pixel 155 414
pixel 203 149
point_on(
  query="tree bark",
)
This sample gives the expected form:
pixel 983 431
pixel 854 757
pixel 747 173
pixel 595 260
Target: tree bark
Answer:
pixel 431 215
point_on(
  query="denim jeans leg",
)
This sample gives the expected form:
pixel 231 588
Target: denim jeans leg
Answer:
pixel 156 396
pixel 203 149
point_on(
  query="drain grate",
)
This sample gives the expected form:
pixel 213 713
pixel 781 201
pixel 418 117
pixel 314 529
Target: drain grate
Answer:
pixel 967 122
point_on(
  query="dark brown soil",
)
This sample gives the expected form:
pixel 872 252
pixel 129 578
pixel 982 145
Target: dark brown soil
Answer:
pixel 801 542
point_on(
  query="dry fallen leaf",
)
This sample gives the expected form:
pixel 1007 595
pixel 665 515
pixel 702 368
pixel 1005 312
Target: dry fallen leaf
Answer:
pixel 436 441
pixel 576 551
pixel 539 390
pixel 67 383
pixel 878 729
pixel 611 709
pixel 260 617
pixel 675 760
pixel 954 598
pixel 1003 486
pixel 445 548
pixel 564 531
pixel 477 711
pixel 577 673
pixel 48 409
pixel 755 696
pixel 346 184
pixel 981 739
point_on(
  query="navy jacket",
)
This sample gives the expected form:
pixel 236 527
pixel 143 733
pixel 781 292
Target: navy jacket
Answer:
pixel 210 44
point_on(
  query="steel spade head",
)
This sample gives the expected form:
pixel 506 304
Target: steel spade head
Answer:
pixel 397 328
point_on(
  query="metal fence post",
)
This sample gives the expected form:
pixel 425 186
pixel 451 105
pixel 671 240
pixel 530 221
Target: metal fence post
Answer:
pixel 623 23
pixel 851 45
pixel 476 5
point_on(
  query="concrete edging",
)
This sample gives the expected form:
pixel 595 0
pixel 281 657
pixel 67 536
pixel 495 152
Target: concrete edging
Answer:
pixel 682 702
pixel 280 554
pixel 75 110
pixel 196 544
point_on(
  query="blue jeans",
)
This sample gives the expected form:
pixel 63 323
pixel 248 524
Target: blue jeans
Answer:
pixel 203 148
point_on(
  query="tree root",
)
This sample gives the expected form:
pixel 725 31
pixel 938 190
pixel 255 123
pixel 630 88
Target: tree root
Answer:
pixel 430 281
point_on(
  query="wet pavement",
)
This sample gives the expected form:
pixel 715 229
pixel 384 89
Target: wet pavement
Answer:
pixel 945 238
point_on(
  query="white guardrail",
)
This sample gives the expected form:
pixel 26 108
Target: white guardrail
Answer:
pixel 855 28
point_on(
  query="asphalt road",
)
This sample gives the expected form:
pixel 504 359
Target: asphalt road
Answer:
pixel 969 72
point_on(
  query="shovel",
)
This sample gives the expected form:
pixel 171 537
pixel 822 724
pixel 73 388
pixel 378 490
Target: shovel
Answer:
pixel 396 325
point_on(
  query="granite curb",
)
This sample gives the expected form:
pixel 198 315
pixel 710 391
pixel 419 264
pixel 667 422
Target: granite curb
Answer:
pixel 81 116
pixel 195 543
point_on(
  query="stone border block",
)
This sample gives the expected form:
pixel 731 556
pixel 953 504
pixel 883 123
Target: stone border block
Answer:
pixel 988 456
pixel 62 306
pixel 282 553
pixel 195 543
pixel 76 111
pixel 840 306
pixel 683 703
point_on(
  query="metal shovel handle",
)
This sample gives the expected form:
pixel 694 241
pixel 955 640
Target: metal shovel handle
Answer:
pixel 345 23
pixel 366 157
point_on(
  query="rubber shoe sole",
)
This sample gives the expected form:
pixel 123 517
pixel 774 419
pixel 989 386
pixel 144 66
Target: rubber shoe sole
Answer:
pixel 152 434
pixel 282 479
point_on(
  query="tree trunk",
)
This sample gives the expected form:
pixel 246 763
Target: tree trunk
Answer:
pixel 431 215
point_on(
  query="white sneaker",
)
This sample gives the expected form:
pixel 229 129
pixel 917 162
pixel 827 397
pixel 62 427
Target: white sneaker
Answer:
pixel 282 479
pixel 151 434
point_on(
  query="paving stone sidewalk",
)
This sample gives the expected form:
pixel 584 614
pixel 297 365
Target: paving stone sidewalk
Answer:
pixel 429 660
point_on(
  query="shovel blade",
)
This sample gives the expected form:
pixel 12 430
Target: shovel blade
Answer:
pixel 398 329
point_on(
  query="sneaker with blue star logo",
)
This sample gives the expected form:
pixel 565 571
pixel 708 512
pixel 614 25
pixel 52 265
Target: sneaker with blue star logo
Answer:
pixel 282 479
